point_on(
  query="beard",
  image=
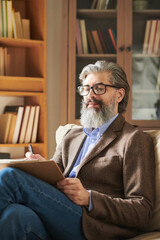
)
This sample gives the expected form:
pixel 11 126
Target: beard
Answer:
pixel 94 118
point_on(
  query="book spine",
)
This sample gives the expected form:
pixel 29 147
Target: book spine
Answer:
pixel 146 37
pixel 102 41
pixel 112 38
pixel 97 41
pixel 78 37
pixel 109 41
pixel 91 42
pixel 84 36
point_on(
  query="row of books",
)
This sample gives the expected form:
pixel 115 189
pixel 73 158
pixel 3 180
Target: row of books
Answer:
pixel 95 41
pixel 151 44
pixel 10 60
pixel 19 124
pixel 104 4
pixel 11 23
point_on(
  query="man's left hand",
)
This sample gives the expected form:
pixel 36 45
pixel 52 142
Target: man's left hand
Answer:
pixel 74 190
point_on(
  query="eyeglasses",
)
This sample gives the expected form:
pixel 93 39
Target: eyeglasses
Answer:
pixel 98 89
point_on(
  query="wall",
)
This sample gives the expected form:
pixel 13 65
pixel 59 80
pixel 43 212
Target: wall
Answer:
pixel 54 69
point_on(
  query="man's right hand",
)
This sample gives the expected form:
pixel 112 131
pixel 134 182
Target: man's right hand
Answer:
pixel 30 156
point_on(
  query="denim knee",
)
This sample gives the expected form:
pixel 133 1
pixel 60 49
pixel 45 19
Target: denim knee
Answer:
pixel 19 222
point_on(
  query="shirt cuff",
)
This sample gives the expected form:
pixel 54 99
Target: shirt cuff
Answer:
pixel 90 207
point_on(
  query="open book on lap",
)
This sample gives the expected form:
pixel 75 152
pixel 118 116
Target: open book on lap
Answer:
pixel 46 170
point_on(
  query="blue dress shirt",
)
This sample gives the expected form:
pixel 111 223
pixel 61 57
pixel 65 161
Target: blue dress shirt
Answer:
pixel 92 138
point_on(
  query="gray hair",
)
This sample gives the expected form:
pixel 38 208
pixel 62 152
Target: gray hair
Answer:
pixel 117 77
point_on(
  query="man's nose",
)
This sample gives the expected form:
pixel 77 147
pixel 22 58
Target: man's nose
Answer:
pixel 91 93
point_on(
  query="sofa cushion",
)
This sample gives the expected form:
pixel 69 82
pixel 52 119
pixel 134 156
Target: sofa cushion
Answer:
pixel 62 130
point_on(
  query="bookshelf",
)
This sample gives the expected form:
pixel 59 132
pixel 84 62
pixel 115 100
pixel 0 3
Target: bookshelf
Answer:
pixel 28 82
pixel 129 24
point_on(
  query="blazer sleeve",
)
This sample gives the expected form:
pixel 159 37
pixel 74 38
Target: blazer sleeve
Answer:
pixel 135 209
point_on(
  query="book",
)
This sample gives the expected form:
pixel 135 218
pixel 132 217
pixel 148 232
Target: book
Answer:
pixel 4 7
pixel 1 22
pixel 15 57
pixel 84 36
pixel 94 4
pixel 12 127
pixel 112 4
pixel 91 42
pixel 154 38
pixel 97 41
pixel 46 170
pixel 17 112
pixel 2 61
pixel 5 123
pixel 18 23
pixel 102 40
pixel 18 124
pixel 110 43
pixel 146 37
pixel 158 80
pixel 4 155
pixel 9 19
pixel 24 124
pixel 30 125
pixel 151 37
pixel 26 28
pixel 106 4
pixel 109 50
pixel 99 4
pixel 35 125
pixel 112 38
pixel 14 24
pixel 157 40
pixel 78 37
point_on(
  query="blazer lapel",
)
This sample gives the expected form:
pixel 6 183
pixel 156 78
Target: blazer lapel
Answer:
pixel 75 146
pixel 108 137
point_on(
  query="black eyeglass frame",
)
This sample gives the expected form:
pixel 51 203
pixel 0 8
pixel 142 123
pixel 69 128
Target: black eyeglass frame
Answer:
pixel 92 87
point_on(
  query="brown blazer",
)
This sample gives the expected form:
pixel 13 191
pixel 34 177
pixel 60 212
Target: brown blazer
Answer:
pixel 119 171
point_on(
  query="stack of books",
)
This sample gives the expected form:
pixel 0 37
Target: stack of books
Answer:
pixel 95 41
pixel 19 124
pixel 151 44
pixel 10 60
pixel 104 4
pixel 11 22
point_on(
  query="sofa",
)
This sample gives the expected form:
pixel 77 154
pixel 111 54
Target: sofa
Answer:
pixel 153 230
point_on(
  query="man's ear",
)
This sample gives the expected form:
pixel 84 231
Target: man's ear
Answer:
pixel 120 94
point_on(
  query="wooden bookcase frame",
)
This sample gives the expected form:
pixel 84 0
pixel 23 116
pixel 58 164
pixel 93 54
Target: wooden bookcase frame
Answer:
pixel 31 86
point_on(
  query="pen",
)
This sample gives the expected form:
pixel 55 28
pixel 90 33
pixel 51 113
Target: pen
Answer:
pixel 30 148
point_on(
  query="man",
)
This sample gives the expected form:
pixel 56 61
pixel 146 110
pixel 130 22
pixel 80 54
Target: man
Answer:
pixel 108 191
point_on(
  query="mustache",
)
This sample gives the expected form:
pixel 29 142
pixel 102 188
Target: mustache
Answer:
pixel 94 101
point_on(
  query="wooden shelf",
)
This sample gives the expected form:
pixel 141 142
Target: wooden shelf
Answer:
pixel 94 13
pixel 27 84
pixel 91 55
pixel 25 70
pixel 12 42
pixel 21 145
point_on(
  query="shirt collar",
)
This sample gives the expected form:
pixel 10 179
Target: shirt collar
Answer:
pixel 101 129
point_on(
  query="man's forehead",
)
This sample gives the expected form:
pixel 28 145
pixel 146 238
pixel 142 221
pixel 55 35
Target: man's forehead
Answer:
pixel 102 77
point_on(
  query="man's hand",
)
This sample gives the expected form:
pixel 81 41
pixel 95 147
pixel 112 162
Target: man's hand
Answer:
pixel 74 190
pixel 30 156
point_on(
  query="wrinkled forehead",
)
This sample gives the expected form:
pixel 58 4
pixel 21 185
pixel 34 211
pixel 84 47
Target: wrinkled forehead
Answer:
pixel 94 78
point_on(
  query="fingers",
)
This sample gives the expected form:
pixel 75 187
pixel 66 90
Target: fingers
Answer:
pixel 74 189
pixel 30 156
pixel 68 181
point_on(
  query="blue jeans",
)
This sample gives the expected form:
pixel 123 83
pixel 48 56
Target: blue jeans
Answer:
pixel 32 209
